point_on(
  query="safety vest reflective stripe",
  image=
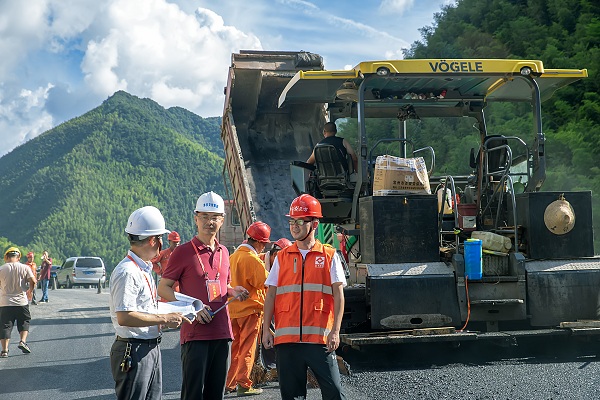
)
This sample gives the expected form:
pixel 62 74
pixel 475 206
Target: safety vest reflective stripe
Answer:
pixel 308 287
pixel 306 330
pixel 317 287
pixel 289 289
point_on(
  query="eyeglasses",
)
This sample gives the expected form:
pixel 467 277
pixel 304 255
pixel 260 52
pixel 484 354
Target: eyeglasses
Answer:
pixel 212 218
pixel 299 222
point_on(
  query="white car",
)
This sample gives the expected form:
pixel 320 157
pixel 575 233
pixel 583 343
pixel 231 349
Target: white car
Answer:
pixel 81 271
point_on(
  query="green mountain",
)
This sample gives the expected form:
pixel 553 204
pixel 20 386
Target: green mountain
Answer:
pixel 72 189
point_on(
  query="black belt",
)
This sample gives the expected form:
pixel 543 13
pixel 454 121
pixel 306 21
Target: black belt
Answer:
pixel 135 340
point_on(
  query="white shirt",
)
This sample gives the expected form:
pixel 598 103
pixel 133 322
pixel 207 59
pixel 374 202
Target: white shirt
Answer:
pixel 337 270
pixel 132 288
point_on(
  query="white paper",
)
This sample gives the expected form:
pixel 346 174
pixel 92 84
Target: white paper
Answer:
pixel 186 305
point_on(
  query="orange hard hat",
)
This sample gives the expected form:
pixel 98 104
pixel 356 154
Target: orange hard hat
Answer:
pixel 305 206
pixel 282 243
pixel 174 237
pixel 259 231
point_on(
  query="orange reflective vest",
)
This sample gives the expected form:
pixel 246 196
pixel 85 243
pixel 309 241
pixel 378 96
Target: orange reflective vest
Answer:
pixel 304 297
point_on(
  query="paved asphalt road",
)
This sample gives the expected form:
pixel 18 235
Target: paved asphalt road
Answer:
pixel 71 337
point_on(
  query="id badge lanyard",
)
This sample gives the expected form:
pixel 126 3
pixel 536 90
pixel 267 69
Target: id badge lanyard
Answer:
pixel 213 286
pixel 150 285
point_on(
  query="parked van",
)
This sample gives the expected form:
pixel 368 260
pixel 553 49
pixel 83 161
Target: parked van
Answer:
pixel 81 271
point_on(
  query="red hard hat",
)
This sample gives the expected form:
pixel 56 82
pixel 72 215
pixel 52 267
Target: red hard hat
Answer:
pixel 30 254
pixel 282 243
pixel 305 206
pixel 174 237
pixel 259 231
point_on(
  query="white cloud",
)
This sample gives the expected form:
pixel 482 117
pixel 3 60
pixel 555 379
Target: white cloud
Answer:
pixel 399 6
pixel 22 116
pixel 19 31
pixel 154 49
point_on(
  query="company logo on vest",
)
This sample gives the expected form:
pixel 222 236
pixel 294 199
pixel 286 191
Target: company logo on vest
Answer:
pixel 320 262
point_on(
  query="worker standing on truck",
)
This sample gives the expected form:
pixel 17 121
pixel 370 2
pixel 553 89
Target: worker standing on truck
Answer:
pixel 135 357
pixel 201 266
pixel 247 270
pixel 341 144
pixel 305 295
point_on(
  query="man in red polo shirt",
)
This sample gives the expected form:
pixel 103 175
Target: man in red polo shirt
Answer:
pixel 201 266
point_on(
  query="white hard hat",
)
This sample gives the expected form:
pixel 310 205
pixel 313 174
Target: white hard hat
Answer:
pixel 145 222
pixel 210 202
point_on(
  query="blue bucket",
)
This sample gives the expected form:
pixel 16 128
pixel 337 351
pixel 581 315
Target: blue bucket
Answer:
pixel 473 262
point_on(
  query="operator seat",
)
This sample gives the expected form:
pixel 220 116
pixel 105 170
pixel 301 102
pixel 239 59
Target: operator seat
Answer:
pixel 496 159
pixel 333 172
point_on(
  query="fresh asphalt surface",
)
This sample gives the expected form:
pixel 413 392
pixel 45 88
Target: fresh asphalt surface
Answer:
pixel 70 339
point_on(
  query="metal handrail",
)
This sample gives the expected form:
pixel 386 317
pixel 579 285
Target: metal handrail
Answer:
pixel 505 178
pixel 453 194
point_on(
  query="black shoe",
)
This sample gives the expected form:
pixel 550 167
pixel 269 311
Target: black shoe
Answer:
pixel 34 303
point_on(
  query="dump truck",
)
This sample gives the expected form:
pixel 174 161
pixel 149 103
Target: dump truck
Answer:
pixel 488 255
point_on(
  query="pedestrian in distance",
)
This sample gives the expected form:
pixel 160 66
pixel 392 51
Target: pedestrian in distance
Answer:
pixel 15 278
pixel 45 273
pixel 135 356
pixel 247 270
pixel 31 263
pixel 305 295
pixel 201 266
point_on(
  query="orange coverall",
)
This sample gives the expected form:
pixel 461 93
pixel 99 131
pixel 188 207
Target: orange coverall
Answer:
pixel 247 270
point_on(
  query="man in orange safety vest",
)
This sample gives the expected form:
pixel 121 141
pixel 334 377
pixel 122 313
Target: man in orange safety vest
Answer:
pixel 305 295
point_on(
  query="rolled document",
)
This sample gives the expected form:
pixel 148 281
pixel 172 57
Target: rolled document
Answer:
pixel 186 305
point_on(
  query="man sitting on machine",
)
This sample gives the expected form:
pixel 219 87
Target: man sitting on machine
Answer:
pixel 341 144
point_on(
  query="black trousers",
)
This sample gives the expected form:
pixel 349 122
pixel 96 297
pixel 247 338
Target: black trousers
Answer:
pixel 10 314
pixel 144 379
pixel 293 360
pixel 204 366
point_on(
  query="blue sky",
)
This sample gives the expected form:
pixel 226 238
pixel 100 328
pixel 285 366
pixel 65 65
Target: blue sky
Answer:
pixel 61 58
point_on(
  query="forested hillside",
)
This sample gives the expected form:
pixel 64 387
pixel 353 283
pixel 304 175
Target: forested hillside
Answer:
pixel 72 189
pixel 562 34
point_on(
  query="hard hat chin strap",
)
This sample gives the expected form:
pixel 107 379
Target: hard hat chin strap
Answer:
pixel 309 232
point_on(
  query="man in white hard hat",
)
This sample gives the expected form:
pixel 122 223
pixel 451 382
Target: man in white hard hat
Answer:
pixel 14 305
pixel 201 266
pixel 135 356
